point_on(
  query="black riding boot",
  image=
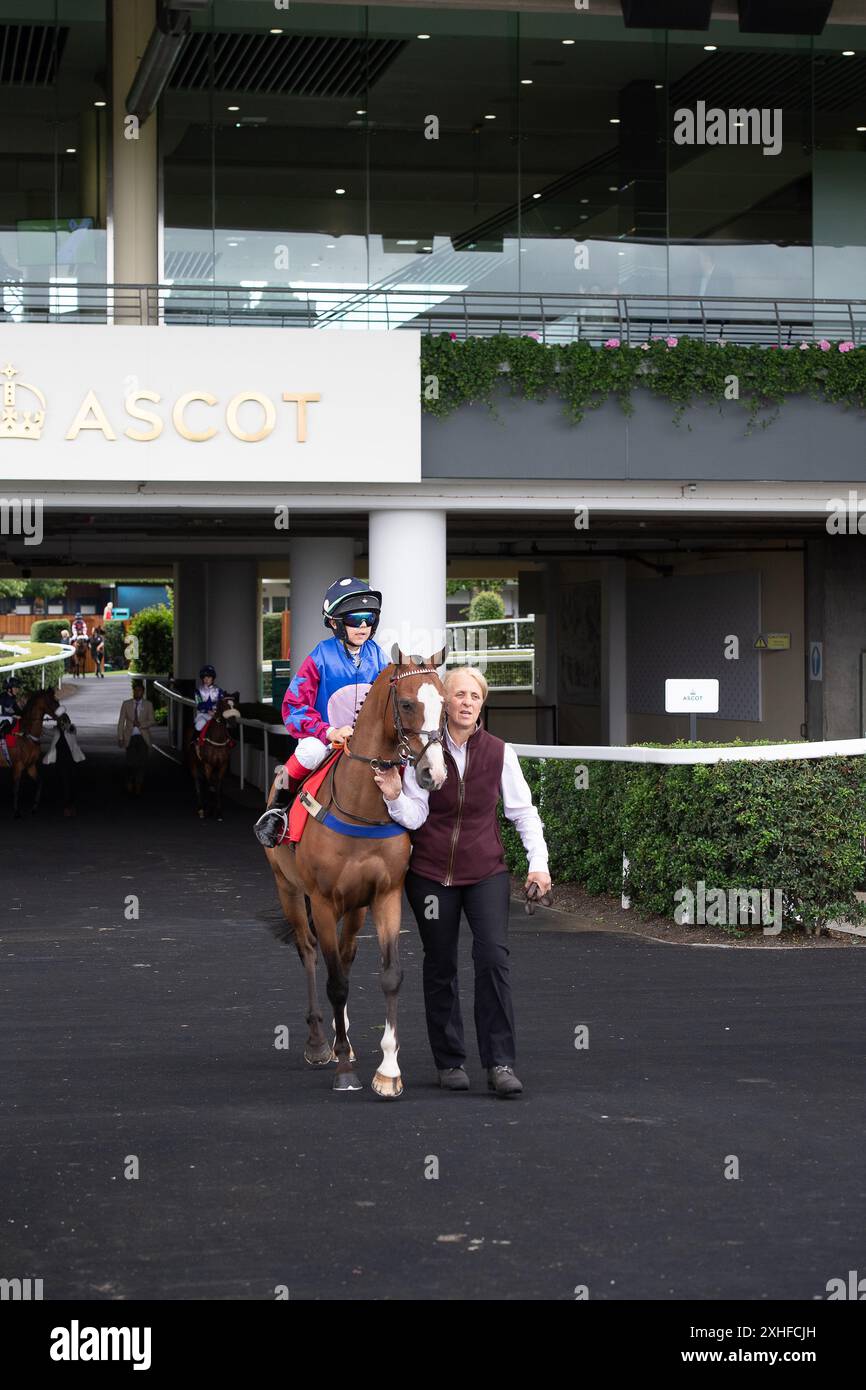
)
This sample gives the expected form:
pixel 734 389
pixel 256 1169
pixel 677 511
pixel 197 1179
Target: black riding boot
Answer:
pixel 270 828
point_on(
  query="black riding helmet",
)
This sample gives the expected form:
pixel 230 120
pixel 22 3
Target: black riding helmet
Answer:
pixel 351 595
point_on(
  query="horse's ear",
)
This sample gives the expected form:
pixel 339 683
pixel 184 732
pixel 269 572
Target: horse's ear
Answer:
pixel 438 658
pixel 397 655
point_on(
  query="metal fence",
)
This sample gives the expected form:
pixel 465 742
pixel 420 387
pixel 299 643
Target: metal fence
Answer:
pixel 553 318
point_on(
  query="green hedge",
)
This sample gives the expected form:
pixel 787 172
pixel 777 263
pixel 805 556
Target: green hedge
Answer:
pixel 272 626
pixel 47 630
pixel 31 676
pixel 680 370
pixel 115 653
pixel 795 826
pixel 152 628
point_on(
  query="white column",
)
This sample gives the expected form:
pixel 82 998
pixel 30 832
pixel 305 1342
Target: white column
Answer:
pixel 315 564
pixel 190 617
pixel 134 161
pixel 234 625
pixel 407 562
pixel 614 669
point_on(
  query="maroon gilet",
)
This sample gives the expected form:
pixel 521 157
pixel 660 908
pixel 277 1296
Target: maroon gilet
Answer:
pixel 459 842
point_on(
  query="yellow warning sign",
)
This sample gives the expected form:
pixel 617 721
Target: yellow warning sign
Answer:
pixel 760 642
pixel 773 642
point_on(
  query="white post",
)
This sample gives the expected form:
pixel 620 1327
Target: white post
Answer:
pixel 407 563
pixel 625 900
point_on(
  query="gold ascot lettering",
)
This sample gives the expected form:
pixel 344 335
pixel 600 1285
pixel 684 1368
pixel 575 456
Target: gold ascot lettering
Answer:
pixel 180 406
pixel 234 406
pixel 146 415
pixel 91 416
pixel 301 398
pixel 90 406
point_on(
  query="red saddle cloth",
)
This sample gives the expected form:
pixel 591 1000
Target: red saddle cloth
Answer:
pixel 11 737
pixel 299 815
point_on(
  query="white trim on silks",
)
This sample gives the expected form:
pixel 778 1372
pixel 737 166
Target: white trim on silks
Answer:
pixel 310 752
pixel 72 743
pixel 389 1065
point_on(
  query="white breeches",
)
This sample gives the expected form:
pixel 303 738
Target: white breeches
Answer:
pixel 310 752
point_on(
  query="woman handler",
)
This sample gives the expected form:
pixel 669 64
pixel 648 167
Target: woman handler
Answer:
pixel 458 863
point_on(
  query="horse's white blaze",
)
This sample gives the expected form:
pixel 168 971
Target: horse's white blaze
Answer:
pixel 432 701
pixel 231 713
pixel 389 1065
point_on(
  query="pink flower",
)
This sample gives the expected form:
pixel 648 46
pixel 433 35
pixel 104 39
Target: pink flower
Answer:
pixel 804 347
pixel 786 347
pixel 453 337
pixel 824 345
pixel 845 347
pixel 671 342
pixel 772 347
pixel 612 342
pixel 644 347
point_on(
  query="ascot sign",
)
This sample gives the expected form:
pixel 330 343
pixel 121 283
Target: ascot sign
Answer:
pixel 187 404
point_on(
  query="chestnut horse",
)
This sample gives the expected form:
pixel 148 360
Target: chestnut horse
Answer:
pixel 208 760
pixel 78 660
pixel 332 874
pixel 26 753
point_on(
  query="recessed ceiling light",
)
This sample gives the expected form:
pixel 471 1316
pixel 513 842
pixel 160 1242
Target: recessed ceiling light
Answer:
pixel 71 150
pixel 233 108
pixel 330 245
pixel 339 190
pixel 426 248
pixel 568 41
pixel 360 113
pixel 526 81
pixel 583 216
pixel 659 86
pixel 237 125
pixel 536 195
pixel 612 188
pixel 100 103
pixel 620 253
pixel 422 36
pixel 584 200
pixel 276 31
pixel 614 120
pixel 490 118
pixel 847 53
pixel 861 127
pixel 709 48
pixel 315 264
pixel 231 243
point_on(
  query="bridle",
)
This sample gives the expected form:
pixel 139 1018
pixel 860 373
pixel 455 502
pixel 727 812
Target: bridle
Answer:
pixel 405 754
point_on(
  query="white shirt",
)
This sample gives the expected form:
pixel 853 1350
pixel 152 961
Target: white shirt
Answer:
pixel 411 808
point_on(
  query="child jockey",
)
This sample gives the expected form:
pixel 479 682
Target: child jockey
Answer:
pixel 79 627
pixel 323 700
pixel 207 696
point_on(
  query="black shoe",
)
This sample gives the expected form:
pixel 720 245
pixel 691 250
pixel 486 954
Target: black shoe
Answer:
pixel 270 828
pixel 454 1079
pixel 503 1081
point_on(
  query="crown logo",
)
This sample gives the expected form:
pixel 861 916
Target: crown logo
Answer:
pixel 15 424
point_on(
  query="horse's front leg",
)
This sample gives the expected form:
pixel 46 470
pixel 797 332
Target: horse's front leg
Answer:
pixel 325 920
pixel 388 1082
pixel 38 779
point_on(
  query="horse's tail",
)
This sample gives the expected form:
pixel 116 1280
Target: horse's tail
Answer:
pixel 284 931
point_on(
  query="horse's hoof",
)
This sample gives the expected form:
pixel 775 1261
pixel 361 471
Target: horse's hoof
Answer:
pixel 388 1087
pixel 319 1056
pixel 346 1081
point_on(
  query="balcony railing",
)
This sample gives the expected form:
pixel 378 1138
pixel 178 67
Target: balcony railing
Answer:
pixel 552 318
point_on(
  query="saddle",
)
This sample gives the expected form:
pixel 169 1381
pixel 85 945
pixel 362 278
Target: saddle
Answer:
pixel 298 812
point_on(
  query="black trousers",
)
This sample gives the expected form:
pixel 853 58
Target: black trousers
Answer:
pixel 437 911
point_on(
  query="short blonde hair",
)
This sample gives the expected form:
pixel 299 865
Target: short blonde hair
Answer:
pixel 472 671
